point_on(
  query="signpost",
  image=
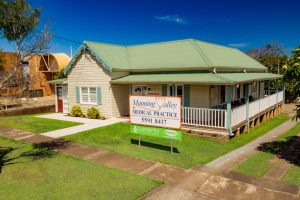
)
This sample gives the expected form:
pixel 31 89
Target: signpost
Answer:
pixel 156 116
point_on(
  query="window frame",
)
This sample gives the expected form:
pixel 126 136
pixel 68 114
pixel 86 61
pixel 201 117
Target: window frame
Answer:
pixel 89 95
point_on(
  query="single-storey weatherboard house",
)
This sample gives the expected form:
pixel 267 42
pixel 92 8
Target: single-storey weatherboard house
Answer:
pixel 221 87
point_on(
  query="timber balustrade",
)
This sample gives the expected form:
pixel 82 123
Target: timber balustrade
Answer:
pixel 217 118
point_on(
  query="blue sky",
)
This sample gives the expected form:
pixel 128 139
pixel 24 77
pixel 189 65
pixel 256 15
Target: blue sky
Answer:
pixel 236 23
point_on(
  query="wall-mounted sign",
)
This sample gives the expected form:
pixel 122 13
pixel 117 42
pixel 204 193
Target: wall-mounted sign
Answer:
pixel 157 111
pixel 153 93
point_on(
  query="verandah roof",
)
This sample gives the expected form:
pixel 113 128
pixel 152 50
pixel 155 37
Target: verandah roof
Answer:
pixel 59 81
pixel 197 78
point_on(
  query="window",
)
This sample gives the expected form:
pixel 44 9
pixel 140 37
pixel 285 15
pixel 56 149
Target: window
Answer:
pixel 176 91
pixel 88 95
pixel 139 89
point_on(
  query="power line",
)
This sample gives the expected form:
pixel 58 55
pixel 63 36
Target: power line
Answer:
pixel 61 38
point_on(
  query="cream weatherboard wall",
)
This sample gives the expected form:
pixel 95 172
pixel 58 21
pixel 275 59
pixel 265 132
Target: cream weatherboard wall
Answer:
pixel 120 100
pixel 87 72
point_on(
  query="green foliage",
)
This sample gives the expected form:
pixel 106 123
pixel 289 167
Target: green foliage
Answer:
pixel 93 113
pixel 297 115
pixel 17 19
pixel 60 75
pixel 292 75
pixel 76 111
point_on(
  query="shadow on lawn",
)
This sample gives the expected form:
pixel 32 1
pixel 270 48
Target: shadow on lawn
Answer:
pixel 39 150
pixel 36 153
pixel 288 149
pixel 53 144
pixel 155 146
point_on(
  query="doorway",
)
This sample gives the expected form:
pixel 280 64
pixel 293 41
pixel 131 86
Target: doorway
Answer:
pixel 59 99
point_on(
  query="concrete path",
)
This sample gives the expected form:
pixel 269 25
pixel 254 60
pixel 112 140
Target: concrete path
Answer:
pixel 179 183
pixel 246 149
pixel 87 124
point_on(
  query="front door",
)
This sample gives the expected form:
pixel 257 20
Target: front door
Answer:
pixel 59 99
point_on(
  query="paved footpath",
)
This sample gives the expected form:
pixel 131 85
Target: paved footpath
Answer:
pixel 180 183
pixel 87 124
pixel 245 151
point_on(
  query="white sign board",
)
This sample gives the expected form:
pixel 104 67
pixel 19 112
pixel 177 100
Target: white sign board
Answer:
pixel 157 111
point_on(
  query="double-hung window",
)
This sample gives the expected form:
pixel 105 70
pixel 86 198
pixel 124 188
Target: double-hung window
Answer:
pixel 88 95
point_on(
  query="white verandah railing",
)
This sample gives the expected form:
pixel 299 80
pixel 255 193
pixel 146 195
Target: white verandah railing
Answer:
pixel 217 118
pixel 238 114
pixel 205 117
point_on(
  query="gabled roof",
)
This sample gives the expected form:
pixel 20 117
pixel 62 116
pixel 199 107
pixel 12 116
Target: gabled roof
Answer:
pixel 189 54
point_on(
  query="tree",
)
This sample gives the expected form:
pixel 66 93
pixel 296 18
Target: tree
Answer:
pixel 270 55
pixel 297 115
pixel 18 22
pixel 1 61
pixel 292 75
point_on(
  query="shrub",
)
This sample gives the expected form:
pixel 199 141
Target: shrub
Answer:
pixel 76 111
pixel 93 113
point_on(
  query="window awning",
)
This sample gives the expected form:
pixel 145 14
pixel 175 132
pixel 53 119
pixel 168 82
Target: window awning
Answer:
pixel 197 78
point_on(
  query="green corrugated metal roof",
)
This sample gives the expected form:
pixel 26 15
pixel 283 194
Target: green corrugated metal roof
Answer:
pixel 196 78
pixel 58 81
pixel 189 54
pixel 247 77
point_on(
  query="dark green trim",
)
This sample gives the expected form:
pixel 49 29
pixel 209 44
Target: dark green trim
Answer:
pixel 99 95
pixel 82 48
pixel 164 89
pixel 186 96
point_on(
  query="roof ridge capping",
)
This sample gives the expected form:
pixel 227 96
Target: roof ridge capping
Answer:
pixel 87 42
pixel 154 43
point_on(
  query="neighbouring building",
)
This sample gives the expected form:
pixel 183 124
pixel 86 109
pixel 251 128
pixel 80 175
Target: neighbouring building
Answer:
pixel 222 88
pixel 44 68
pixel 39 69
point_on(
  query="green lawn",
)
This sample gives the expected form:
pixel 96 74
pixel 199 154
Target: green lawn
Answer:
pixel 42 174
pixel 192 150
pixel 292 176
pixel 259 164
pixel 34 124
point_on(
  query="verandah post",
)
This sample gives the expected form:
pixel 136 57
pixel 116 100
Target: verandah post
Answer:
pixel 269 89
pixel 276 85
pixel 283 92
pixel 247 106
pixel 229 90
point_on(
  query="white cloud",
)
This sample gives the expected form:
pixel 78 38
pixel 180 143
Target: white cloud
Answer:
pixel 172 18
pixel 242 44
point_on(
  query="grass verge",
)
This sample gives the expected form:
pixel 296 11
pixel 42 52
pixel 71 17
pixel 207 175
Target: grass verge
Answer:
pixel 30 173
pixel 189 152
pixel 259 164
pixel 34 124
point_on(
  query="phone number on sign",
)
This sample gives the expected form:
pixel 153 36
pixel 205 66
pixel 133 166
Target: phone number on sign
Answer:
pixel 154 121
